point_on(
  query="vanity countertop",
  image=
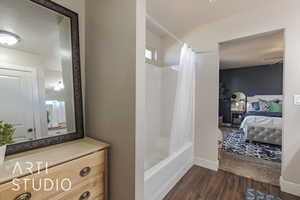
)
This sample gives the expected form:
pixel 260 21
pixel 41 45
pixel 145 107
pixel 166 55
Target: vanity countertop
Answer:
pixel 47 157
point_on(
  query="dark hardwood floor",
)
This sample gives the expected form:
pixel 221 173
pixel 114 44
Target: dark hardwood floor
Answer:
pixel 203 184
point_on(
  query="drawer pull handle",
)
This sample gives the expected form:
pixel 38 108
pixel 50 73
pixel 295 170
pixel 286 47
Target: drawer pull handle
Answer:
pixel 85 171
pixel 85 195
pixel 24 196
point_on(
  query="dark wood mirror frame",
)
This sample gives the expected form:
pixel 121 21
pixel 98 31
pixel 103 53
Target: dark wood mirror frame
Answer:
pixel 79 133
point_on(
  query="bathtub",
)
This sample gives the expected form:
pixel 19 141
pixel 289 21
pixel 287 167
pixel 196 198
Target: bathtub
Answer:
pixel 162 177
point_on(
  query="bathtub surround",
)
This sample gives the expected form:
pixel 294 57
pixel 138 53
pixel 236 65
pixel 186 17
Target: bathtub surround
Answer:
pixel 115 71
pixel 170 121
pixel 160 95
pixel 161 178
pixel 154 151
pixel 162 170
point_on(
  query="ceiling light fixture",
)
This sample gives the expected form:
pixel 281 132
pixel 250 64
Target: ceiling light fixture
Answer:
pixel 212 1
pixel 8 38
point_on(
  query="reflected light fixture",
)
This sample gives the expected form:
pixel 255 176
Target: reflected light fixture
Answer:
pixel 59 86
pixel 8 38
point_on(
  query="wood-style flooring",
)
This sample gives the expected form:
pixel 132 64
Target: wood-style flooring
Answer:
pixel 203 184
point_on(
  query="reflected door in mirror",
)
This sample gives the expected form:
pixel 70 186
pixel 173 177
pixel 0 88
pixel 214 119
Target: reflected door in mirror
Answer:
pixel 16 105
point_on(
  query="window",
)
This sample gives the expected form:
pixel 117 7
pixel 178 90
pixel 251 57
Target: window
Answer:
pixel 151 55
pixel 148 54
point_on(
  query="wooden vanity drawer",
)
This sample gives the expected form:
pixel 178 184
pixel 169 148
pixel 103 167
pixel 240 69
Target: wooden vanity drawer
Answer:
pixel 81 173
pixel 92 189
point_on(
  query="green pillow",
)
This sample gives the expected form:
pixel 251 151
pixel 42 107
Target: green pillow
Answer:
pixel 275 107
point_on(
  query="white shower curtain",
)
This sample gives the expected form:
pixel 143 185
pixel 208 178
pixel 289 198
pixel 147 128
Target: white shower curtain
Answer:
pixel 183 116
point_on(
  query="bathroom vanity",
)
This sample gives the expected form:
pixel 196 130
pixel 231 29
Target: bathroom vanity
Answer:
pixel 47 155
pixel 73 170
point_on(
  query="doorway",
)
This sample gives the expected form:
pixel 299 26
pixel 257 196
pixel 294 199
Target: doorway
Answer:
pixel 250 106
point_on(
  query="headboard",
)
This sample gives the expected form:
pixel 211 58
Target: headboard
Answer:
pixel 265 97
pixel 255 98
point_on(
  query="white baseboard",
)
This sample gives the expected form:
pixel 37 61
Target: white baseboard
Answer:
pixel 289 187
pixel 166 188
pixel 213 165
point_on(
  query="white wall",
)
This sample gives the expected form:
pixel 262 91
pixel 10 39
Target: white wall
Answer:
pixel 115 68
pixel 206 111
pixel 283 14
pixel 140 100
pixel 152 39
pixel 171 51
pixel 140 106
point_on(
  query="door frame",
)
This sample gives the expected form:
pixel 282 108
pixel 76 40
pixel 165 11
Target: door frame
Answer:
pixel 283 84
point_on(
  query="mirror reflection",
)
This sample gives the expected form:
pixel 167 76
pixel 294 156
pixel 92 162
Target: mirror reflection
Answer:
pixel 36 81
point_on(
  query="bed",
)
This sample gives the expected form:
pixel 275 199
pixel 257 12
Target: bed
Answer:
pixel 263 125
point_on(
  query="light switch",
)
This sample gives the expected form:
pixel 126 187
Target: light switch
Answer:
pixel 297 100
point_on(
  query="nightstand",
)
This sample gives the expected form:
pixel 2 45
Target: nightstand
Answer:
pixel 237 118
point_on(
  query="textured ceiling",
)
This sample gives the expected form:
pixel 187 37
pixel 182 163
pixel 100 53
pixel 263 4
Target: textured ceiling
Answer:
pixel 257 50
pixel 37 27
pixel 182 16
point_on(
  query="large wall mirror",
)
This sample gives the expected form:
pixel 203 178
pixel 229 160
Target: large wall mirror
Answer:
pixel 40 86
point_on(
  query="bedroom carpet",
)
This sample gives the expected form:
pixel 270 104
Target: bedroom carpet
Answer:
pixel 235 143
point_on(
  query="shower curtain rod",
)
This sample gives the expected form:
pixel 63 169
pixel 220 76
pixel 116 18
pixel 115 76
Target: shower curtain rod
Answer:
pixel 158 25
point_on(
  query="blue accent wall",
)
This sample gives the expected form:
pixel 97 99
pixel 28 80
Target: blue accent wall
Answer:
pixel 260 80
